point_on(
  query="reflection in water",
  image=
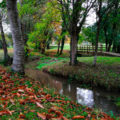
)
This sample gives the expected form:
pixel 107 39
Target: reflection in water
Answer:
pixel 85 97
pixel 91 98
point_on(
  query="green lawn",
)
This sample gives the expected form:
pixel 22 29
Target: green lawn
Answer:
pixel 66 47
pixel 101 60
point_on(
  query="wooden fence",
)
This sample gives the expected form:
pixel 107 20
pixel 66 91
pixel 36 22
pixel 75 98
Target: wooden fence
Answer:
pixel 90 49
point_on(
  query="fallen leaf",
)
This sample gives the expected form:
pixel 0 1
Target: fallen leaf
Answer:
pixel 64 118
pixel 41 115
pixel 78 117
pixel 39 105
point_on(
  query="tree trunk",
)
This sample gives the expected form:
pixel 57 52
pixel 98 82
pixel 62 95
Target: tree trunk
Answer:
pixel 73 49
pixel 109 46
pixel 18 43
pixel 106 38
pixel 118 48
pixel 114 30
pixel 62 45
pixel 98 31
pixel 58 50
pixel 7 59
pixel 48 46
pixel 96 46
pixel 63 38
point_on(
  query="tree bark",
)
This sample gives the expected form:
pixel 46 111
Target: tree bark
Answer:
pixel 114 30
pixel 73 49
pixel 63 39
pixel 106 38
pixel 18 43
pixel 96 46
pixel 58 50
pixel 62 45
pixel 98 32
pixel 4 44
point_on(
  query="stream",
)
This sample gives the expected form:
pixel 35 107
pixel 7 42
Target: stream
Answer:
pixel 95 98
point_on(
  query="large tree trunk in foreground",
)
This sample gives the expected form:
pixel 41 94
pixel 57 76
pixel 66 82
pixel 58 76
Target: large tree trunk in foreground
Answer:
pixel 18 43
pixel 73 49
pixel 4 44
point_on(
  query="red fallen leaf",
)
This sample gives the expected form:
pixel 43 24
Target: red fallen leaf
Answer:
pixel 4 112
pixel 58 113
pixel 78 117
pixel 51 110
pixel 17 94
pixel 48 96
pixel 89 109
pixel 10 112
pixel 32 101
pixel 49 116
pixel 30 93
pixel 64 118
pixel 31 97
pixel 21 116
pixel 39 105
pixel 57 118
pixel 41 115
pixel 32 110
pixel 1 92
pixel 4 77
pixel 21 91
pixel 57 108
pixel 29 89
pixel 22 101
pixel 4 99
pixel 12 101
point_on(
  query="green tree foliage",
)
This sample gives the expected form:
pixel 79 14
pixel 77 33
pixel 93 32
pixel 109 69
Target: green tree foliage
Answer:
pixel 45 27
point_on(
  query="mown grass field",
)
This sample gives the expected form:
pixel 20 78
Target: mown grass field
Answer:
pixel 112 61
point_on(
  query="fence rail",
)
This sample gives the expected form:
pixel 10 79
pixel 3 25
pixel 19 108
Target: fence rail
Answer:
pixel 90 49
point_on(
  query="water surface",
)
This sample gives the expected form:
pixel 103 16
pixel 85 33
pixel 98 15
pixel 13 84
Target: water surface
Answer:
pixel 98 98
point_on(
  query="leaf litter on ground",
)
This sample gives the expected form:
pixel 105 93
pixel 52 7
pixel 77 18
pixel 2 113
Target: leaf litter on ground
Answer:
pixel 24 99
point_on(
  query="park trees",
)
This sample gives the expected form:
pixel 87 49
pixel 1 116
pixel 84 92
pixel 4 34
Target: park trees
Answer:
pixel 7 58
pixel 102 8
pixel 75 13
pixel 18 43
pixel 43 31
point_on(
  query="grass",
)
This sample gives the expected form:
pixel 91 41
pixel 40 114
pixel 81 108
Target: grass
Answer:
pixel 105 75
pixel 48 61
pixel 23 98
pixel 114 61
pixel 66 47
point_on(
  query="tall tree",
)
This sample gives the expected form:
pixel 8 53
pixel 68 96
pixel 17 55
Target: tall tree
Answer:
pixel 101 9
pixel 75 13
pixel 98 12
pixel 4 44
pixel 18 43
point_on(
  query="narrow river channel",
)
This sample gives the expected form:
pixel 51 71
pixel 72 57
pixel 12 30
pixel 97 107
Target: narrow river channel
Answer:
pixel 95 98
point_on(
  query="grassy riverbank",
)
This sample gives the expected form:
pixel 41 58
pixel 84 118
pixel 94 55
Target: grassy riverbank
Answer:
pixel 24 99
pixel 105 75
